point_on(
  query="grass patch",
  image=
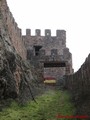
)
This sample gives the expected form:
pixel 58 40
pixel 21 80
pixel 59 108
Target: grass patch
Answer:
pixel 48 106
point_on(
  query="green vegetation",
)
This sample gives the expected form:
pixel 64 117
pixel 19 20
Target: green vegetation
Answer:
pixel 48 106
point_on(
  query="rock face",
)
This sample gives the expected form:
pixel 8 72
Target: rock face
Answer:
pixel 17 77
pixel 15 73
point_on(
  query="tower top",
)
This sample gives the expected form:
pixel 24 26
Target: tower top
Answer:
pixel 47 32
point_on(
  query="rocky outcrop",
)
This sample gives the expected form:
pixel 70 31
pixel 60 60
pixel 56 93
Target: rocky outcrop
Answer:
pixel 18 78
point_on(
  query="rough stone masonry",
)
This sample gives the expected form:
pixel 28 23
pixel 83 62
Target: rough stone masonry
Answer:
pixel 50 52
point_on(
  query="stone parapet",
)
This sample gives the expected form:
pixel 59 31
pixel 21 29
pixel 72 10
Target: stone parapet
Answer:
pixel 12 29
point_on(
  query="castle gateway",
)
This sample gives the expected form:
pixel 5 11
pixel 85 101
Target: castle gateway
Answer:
pixel 50 52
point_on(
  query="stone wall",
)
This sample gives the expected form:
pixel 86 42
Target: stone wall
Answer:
pixel 54 72
pixel 12 29
pixel 47 42
pixel 48 49
pixel 79 85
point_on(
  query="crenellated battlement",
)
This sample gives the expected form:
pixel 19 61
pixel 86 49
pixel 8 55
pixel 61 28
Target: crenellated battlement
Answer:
pixel 47 32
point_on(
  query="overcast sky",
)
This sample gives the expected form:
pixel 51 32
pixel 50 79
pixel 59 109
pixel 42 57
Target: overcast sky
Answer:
pixel 70 15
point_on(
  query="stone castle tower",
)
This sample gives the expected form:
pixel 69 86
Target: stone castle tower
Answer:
pixel 50 52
